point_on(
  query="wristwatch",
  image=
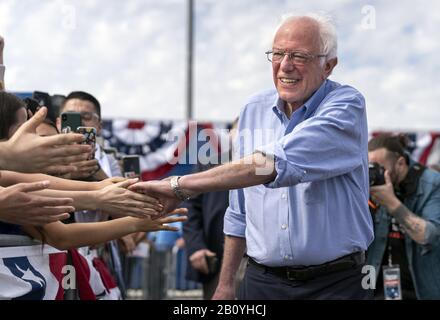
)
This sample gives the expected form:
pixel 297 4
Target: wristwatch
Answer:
pixel 174 183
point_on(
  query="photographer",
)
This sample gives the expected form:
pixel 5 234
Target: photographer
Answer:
pixel 407 220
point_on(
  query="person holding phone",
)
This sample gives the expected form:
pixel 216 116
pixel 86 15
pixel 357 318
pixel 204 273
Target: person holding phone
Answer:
pixel 13 116
pixel 32 199
pixel 51 155
pixel 90 111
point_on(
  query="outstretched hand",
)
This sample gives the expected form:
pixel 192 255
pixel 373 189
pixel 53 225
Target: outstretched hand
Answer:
pixel 27 152
pixel 116 199
pixel 18 205
pixel 148 224
pixel 159 189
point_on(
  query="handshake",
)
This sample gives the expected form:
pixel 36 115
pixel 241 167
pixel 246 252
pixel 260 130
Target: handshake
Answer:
pixel 29 197
pixel 166 194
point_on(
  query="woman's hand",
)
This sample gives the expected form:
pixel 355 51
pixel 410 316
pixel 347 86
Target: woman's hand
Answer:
pixel 148 224
pixel 117 200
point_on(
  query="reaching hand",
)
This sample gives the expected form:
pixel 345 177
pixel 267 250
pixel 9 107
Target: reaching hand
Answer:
pixel 85 169
pixel 28 152
pixel 117 200
pixel 148 224
pixel 19 206
pixel 159 189
pixel 110 181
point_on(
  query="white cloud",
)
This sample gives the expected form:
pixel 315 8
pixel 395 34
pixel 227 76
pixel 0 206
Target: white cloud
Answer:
pixel 131 54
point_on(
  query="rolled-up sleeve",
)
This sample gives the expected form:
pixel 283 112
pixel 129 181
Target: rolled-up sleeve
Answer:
pixel 431 214
pixel 287 173
pixel 326 145
pixel 235 217
pixel 432 233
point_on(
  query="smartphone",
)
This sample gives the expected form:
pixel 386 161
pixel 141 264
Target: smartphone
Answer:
pixel 131 166
pixel 90 134
pixel 70 121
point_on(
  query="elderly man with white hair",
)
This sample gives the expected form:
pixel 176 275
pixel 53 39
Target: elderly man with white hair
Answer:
pixel 299 199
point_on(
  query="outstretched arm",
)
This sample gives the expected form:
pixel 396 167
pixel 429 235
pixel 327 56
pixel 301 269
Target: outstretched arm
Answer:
pixel 18 205
pixel 26 151
pixel 66 236
pixel 114 199
pixel 249 171
pixel 9 178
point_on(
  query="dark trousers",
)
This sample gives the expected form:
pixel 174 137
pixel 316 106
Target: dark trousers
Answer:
pixel 259 284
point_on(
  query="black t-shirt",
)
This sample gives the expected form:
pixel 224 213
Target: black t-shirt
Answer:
pixel 396 242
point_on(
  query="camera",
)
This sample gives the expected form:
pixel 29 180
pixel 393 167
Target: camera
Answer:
pixel 376 173
pixel 64 117
pixel 52 102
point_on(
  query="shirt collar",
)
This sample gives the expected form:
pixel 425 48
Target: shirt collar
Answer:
pixel 310 105
pixel 99 154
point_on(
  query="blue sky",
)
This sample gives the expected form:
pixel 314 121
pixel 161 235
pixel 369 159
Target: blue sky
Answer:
pixel 131 54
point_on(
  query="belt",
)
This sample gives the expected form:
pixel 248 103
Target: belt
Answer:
pixel 350 261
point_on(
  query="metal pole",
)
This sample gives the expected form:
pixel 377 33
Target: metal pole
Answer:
pixel 189 64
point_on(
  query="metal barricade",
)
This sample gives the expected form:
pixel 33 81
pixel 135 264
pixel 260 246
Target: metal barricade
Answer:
pixel 163 276
pixel 157 268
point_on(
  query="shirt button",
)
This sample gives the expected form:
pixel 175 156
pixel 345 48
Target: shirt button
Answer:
pixel 284 226
pixel 286 257
pixel 284 196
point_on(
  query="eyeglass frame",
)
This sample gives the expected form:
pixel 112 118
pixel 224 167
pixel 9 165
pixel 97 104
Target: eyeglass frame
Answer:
pixel 92 115
pixel 291 56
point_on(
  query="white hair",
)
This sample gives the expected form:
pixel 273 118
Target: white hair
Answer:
pixel 327 31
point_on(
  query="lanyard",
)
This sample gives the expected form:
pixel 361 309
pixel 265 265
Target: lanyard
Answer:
pixel 390 255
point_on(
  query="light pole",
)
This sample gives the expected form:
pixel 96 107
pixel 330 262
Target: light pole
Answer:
pixel 189 62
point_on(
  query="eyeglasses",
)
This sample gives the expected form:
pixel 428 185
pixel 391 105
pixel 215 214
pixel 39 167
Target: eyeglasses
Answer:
pixel 297 58
pixel 88 116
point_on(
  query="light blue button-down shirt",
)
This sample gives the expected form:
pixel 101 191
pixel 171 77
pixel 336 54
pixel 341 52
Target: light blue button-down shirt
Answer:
pixel 316 209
